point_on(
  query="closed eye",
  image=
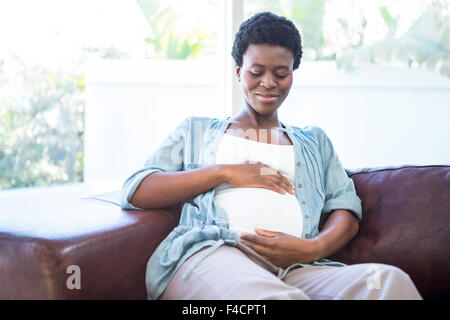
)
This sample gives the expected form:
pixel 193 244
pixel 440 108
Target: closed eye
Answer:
pixel 280 76
pixel 255 74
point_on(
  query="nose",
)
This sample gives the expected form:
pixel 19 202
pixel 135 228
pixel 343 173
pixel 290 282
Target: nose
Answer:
pixel 268 81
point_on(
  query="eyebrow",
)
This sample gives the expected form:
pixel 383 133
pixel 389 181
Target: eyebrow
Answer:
pixel 262 66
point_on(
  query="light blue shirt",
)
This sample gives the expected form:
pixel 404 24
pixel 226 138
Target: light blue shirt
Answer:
pixel 193 144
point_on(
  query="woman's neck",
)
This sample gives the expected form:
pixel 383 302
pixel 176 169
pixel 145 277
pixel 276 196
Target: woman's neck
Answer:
pixel 251 118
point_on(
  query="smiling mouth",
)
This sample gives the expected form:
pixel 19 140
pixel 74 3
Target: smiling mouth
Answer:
pixel 267 97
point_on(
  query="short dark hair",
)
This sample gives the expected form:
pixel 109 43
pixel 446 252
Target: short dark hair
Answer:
pixel 267 28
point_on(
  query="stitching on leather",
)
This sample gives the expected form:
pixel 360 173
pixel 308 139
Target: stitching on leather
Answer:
pixel 361 171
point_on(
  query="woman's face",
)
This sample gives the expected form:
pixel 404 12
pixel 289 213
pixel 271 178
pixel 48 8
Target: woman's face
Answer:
pixel 266 77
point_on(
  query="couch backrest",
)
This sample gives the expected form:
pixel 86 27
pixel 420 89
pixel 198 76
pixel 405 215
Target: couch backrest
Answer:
pixel 406 223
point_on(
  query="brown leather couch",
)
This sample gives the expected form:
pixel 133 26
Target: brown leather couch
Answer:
pixel 406 223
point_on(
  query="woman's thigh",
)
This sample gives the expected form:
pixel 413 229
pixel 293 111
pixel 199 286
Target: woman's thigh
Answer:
pixel 365 281
pixel 228 273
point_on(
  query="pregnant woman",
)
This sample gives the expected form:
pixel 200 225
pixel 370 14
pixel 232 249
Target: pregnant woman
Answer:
pixel 253 190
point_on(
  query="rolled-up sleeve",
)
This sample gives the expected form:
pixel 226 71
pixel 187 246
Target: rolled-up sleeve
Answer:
pixel 340 190
pixel 167 157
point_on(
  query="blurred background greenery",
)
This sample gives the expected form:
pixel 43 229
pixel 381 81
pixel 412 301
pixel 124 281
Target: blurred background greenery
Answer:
pixel 166 41
pixel 41 126
pixel 42 103
pixel 343 31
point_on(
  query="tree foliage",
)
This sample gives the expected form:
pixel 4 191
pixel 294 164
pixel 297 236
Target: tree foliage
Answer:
pixel 164 39
pixel 426 43
pixel 41 125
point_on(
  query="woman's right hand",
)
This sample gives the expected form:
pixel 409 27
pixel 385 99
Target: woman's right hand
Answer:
pixel 255 175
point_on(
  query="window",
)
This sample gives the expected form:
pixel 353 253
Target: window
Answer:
pixel 89 88
pixel 378 113
pixel 51 55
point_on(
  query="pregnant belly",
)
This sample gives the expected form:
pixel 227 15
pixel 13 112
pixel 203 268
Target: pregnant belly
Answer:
pixel 250 208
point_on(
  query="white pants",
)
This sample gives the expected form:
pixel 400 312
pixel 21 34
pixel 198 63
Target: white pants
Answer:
pixel 232 274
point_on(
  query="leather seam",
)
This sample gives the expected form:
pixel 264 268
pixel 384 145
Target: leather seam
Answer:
pixel 394 169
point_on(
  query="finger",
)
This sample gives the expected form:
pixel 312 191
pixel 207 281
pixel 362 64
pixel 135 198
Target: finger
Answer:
pixel 280 180
pixel 274 187
pixel 244 235
pixel 250 237
pixel 269 183
pixel 266 233
pixel 275 181
pixel 260 249
pixel 285 182
pixel 266 170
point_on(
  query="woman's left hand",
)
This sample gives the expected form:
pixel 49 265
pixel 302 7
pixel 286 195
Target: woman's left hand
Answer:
pixel 281 249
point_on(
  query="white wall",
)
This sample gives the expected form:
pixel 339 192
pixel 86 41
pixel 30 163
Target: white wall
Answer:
pixel 132 106
pixel 374 117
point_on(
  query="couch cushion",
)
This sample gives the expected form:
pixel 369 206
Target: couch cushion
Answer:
pixel 111 246
pixel 406 223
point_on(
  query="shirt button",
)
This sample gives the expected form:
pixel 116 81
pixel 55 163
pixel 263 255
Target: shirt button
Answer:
pixel 298 163
pixel 303 202
pixel 307 236
pixel 306 216
pixel 300 185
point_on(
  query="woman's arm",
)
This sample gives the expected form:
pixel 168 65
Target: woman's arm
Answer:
pixel 340 227
pixel 164 189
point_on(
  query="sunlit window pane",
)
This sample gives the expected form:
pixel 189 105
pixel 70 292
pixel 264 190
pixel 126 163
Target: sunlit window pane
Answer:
pixel 44 53
pixel 331 28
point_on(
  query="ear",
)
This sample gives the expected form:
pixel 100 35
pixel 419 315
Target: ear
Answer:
pixel 238 73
